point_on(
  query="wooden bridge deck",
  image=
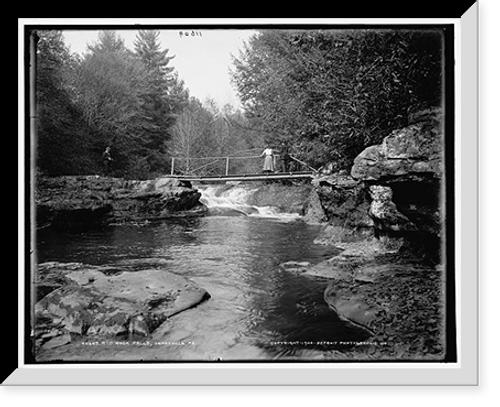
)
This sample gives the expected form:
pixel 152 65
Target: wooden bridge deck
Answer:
pixel 247 177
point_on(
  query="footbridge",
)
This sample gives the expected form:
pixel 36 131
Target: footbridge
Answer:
pixel 236 168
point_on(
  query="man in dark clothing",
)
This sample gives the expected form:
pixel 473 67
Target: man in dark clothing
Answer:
pixel 106 156
pixel 285 157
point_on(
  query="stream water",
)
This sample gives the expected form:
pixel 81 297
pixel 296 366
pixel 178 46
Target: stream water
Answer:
pixel 257 311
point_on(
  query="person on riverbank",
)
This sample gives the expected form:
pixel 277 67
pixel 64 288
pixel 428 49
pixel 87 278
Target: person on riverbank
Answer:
pixel 107 159
pixel 268 154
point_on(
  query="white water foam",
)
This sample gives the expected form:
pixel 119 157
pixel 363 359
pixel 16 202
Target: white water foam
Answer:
pixel 233 201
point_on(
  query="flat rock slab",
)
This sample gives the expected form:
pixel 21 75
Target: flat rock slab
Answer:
pixel 91 302
pixel 158 290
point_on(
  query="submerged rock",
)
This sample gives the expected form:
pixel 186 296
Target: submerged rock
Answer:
pixel 352 306
pixel 353 255
pixel 295 266
pixel 91 303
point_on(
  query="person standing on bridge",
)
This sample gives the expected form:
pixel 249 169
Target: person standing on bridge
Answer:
pixel 285 157
pixel 268 159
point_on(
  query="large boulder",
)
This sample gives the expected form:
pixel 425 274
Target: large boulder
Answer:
pixel 96 301
pixel 156 199
pixel 412 153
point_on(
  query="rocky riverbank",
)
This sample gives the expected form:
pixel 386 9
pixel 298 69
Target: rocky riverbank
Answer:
pixel 397 299
pixel 394 191
pixel 388 218
pixel 82 202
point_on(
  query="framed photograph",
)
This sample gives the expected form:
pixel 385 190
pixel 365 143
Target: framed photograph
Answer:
pixel 248 201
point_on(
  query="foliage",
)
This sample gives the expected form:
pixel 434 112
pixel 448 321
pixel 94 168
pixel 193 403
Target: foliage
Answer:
pixel 108 82
pixel 163 100
pixel 326 93
pixel 204 131
pixel 62 131
pixel 110 96
pixel 331 93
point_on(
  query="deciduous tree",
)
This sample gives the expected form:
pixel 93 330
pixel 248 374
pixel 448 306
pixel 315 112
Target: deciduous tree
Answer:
pixel 331 93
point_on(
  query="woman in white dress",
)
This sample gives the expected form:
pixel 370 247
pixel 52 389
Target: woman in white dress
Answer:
pixel 268 159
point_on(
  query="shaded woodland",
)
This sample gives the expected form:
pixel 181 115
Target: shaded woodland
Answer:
pixel 326 94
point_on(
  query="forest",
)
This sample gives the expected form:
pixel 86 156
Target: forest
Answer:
pixel 324 94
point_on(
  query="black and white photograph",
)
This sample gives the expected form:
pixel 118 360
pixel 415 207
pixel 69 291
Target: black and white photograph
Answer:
pixel 252 193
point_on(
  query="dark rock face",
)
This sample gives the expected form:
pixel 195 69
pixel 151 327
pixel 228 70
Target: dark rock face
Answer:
pixel 404 175
pixel 87 201
pixel 413 153
pixel 313 209
pixel 73 202
pixel 385 213
pixel 345 203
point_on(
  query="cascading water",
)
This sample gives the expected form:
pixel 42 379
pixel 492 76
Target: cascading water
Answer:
pixel 234 202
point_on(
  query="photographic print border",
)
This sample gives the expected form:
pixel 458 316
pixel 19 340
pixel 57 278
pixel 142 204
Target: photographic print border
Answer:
pixel 227 368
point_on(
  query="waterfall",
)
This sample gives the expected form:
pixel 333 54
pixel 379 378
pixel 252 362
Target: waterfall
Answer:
pixel 233 202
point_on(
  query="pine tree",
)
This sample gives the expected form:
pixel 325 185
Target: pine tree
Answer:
pixel 148 48
pixel 108 41
pixel 164 99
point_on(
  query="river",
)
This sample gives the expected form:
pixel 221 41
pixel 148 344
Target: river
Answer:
pixel 257 310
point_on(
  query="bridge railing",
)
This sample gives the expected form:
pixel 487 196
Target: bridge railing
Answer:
pixel 216 165
pixel 206 166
